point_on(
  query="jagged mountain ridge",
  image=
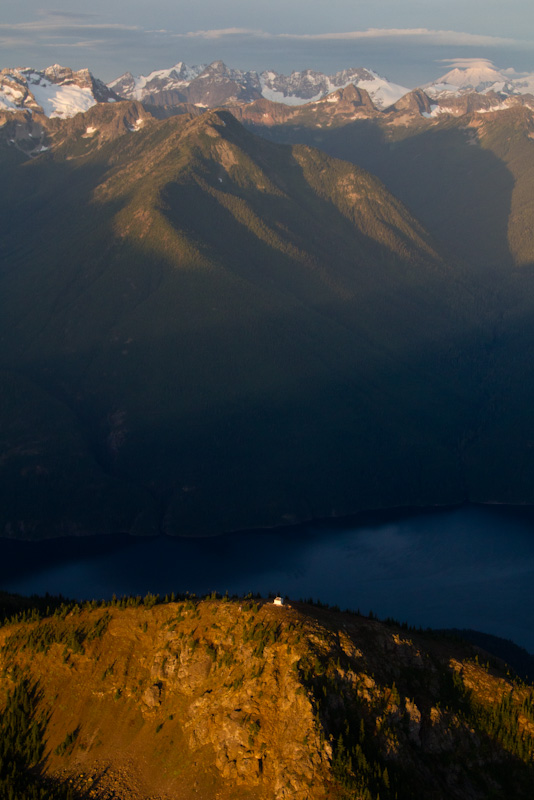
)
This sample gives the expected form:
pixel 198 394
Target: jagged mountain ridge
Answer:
pixel 351 104
pixel 60 92
pixel 216 85
pixel 243 699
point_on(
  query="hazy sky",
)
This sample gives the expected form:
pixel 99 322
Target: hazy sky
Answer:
pixel 408 41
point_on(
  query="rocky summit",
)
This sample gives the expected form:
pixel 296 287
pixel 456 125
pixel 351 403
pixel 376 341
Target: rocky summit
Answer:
pixel 241 698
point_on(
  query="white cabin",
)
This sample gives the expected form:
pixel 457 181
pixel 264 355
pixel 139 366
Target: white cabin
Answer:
pixel 278 601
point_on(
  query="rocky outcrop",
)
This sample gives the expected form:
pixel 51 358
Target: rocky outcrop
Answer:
pixel 416 102
pixel 240 698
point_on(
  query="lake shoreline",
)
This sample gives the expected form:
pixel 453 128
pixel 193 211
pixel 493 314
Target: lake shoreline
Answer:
pixel 357 519
pixel 469 566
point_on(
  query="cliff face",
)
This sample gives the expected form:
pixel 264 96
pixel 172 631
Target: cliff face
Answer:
pixel 242 699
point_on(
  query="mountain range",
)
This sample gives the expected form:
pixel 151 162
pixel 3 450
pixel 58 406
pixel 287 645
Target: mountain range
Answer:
pixel 60 92
pixel 216 85
pixel 261 314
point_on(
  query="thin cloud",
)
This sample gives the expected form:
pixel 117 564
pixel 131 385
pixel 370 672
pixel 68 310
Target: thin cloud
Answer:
pixel 57 13
pixel 71 25
pixel 221 33
pixel 465 63
pixel 421 34
pixel 470 63
pixel 53 24
pixel 51 34
pixel 14 41
pixel 87 43
pixel 115 46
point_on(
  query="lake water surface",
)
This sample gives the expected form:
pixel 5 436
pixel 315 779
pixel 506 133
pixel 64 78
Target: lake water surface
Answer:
pixel 471 567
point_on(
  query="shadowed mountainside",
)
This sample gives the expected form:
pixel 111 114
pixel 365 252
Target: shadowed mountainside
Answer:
pixel 222 333
pixel 465 173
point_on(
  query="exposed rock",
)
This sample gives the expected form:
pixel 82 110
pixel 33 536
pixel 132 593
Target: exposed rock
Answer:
pixel 416 102
pixel 231 695
pixel 152 695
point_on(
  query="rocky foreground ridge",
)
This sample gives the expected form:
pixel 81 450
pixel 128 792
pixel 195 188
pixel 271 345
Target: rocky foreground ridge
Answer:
pixel 226 698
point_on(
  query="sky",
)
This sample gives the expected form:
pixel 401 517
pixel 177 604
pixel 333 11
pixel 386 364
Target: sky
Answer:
pixel 411 42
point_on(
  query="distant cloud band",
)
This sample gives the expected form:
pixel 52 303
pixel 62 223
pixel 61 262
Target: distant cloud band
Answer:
pixel 430 36
pixel 96 39
pixel 67 25
pixel 220 33
pixel 79 27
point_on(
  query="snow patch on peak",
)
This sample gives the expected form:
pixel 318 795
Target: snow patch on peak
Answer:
pixel 137 125
pixel 10 98
pixel 57 90
pixel 309 86
pixel 497 107
pixel 288 100
pixel 383 93
pixel 62 101
pixel 524 84
pixel 438 87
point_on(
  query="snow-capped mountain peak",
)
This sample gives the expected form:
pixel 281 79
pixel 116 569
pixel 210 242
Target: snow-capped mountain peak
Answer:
pixel 172 79
pixel 481 76
pixel 56 91
pixel 61 92
pixel 216 84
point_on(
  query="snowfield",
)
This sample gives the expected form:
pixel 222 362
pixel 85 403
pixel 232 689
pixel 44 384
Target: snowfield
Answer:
pixel 61 101
pixel 26 89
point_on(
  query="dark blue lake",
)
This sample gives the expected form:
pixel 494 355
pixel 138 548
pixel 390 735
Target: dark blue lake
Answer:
pixel 471 567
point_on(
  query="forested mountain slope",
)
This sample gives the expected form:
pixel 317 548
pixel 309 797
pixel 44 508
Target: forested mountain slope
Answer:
pixel 202 330
pixel 467 174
